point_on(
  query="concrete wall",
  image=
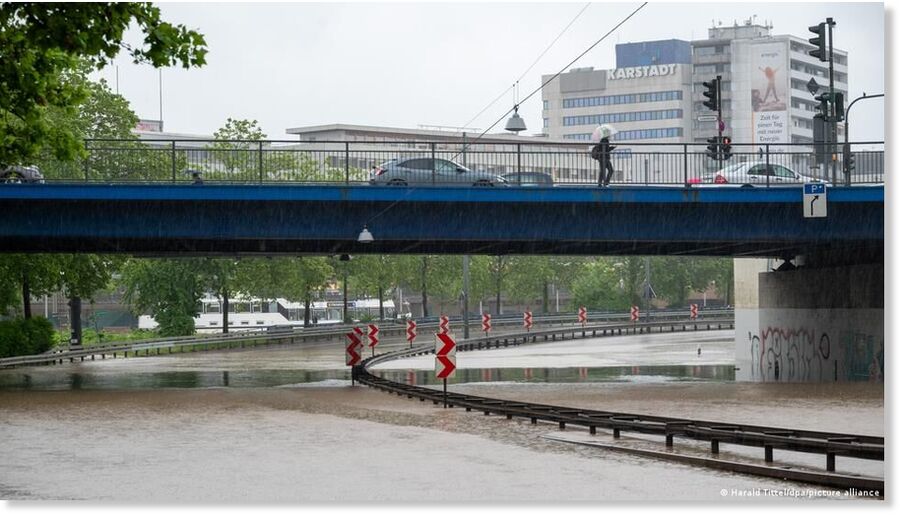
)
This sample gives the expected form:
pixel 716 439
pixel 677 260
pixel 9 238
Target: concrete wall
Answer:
pixel 813 325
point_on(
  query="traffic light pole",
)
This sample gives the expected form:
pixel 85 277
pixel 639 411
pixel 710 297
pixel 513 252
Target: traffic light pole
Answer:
pixel 847 135
pixel 719 119
pixel 832 147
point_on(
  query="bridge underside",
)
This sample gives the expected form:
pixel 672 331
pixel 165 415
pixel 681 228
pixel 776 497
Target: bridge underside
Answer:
pixel 321 220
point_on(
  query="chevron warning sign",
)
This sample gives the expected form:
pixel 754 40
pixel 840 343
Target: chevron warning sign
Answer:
pixel 373 335
pixel 445 366
pixel 582 315
pixel 444 324
pixel 527 321
pixel 694 309
pixel 353 342
pixel 411 331
pixel 635 313
pixel 485 322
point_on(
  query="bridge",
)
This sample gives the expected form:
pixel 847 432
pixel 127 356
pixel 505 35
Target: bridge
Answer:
pixel 317 219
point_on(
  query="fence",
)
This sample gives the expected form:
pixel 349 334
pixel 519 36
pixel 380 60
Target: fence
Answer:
pixel 443 163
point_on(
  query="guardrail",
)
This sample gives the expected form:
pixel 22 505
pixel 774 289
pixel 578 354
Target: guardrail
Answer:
pixel 438 162
pixel 274 335
pixel 769 438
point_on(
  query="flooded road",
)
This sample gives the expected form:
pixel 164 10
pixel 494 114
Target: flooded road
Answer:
pixel 284 424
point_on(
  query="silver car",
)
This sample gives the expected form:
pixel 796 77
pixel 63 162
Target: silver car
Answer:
pixel 425 171
pixel 20 174
pixel 750 173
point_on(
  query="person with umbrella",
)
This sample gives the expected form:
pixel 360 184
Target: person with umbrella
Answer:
pixel 602 152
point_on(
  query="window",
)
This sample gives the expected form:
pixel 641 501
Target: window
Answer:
pixel 546 122
pixel 783 172
pixel 418 164
pixel 608 100
pixel 634 116
pixel 546 105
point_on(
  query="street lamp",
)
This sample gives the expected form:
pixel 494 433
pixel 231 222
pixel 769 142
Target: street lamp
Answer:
pixel 365 237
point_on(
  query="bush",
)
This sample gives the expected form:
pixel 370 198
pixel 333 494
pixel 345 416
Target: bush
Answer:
pixel 25 336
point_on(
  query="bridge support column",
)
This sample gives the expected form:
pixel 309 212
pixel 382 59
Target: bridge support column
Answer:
pixel 810 320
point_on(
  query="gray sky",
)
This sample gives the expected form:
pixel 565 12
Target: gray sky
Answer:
pixel 406 64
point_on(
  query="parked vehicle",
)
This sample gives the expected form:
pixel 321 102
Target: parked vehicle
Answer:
pixel 20 174
pixel 528 179
pixel 751 173
pixel 425 171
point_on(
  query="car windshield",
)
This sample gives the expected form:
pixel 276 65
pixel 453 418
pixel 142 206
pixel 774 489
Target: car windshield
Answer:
pixel 735 167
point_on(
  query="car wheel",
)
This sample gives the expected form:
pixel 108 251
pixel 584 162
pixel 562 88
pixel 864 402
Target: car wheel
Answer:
pixel 396 182
pixel 483 183
pixel 747 186
pixel 13 178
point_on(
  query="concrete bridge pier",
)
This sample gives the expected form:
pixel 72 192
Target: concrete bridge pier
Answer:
pixel 814 319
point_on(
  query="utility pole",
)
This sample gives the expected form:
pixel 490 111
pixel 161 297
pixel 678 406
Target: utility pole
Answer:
pixel 465 296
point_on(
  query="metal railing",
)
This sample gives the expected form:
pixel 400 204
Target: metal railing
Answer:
pixel 342 162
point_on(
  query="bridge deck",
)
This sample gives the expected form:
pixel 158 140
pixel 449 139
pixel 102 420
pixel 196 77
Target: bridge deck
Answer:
pixel 164 219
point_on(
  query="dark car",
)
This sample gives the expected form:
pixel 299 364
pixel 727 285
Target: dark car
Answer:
pixel 20 174
pixel 528 179
pixel 426 171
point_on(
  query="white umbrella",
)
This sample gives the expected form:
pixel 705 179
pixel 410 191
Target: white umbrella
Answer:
pixel 603 131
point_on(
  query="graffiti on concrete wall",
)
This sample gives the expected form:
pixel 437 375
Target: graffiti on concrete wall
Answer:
pixel 802 355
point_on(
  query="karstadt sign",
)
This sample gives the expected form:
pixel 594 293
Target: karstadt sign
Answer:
pixel 638 72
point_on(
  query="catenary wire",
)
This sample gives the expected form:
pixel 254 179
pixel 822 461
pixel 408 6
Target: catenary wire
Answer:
pixel 554 76
pixel 530 67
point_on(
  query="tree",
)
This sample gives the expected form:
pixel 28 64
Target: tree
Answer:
pixel 376 273
pixel 168 289
pixel 41 42
pixel 218 275
pixel 24 276
pixel 309 275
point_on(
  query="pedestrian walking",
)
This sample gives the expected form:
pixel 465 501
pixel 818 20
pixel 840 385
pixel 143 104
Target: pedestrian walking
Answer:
pixel 602 152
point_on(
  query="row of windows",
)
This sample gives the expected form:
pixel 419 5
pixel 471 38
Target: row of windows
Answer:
pixel 608 100
pixel 635 116
pixel 638 134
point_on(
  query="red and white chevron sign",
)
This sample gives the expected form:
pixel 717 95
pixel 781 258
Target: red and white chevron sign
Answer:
pixel 353 356
pixel 444 344
pixel 445 366
pixel 444 325
pixel 358 331
pixel 411 331
pixel 527 321
pixel 485 322
pixel 445 361
pixel 373 335
pixel 635 313
pixel 582 315
pixel 694 309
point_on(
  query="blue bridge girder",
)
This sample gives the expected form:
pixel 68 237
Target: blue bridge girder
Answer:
pixel 325 219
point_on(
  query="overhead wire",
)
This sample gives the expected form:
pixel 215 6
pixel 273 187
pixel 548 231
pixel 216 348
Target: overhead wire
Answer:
pixel 530 67
pixel 554 76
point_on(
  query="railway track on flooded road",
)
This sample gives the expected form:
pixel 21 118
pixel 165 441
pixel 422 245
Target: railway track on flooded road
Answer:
pixel 828 444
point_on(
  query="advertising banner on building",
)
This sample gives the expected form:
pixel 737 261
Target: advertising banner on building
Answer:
pixel 770 93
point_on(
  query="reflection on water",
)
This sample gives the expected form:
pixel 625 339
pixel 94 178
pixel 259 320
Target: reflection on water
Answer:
pixel 636 374
pixel 47 379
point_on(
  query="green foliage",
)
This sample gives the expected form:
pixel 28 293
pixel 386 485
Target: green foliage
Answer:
pixel 42 43
pixel 601 285
pixel 41 271
pixel 167 289
pixel 25 336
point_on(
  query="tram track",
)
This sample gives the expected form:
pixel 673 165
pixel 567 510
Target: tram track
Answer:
pixel 716 433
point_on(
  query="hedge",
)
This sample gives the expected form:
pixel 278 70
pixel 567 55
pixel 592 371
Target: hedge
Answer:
pixel 25 336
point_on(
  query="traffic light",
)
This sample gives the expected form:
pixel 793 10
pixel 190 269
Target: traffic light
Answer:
pixel 838 106
pixel 822 108
pixel 712 93
pixel 712 148
pixel 726 147
pixel 818 42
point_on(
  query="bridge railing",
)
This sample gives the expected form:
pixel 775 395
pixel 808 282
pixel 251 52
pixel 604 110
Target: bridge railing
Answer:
pixel 271 161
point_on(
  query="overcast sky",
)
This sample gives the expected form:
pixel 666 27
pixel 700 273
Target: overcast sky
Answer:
pixel 410 64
